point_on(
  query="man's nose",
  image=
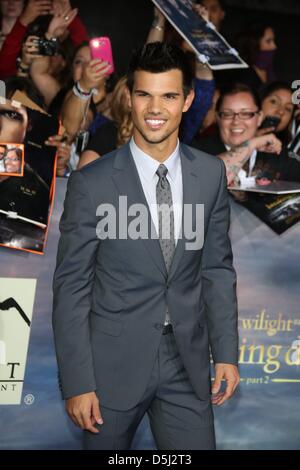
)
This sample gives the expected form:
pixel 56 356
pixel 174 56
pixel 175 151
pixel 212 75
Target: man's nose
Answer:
pixel 154 105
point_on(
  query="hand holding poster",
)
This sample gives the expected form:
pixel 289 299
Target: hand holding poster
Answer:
pixel 210 47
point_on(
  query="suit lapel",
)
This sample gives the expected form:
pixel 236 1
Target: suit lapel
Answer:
pixel 128 183
pixel 190 181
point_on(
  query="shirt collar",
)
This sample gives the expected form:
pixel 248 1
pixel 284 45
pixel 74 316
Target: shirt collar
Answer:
pixel 148 165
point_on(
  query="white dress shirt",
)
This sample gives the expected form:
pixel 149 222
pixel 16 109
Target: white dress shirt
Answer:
pixel 147 167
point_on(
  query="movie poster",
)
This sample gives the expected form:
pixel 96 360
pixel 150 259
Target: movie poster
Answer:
pixel 209 45
pixel 27 176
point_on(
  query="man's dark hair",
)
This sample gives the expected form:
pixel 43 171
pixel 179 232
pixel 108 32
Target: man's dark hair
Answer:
pixel 236 88
pixel 159 57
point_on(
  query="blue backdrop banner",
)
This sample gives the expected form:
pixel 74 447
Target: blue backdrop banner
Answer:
pixel 262 415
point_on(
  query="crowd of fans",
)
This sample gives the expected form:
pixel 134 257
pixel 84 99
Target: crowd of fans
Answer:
pixel 247 105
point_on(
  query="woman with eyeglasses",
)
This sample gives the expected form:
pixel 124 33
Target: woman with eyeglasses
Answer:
pixel 246 155
pixel 13 161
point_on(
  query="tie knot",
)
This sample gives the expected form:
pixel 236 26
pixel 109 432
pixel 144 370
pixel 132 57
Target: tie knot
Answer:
pixel 162 171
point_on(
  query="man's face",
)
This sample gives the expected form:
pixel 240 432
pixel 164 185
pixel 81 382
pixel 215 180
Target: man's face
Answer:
pixel 216 13
pixel 157 103
pixel 13 123
pixel 12 162
pixel 236 130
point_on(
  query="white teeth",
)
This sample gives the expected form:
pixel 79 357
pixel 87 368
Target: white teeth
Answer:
pixel 154 122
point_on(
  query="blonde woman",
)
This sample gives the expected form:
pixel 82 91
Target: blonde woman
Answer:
pixel 114 133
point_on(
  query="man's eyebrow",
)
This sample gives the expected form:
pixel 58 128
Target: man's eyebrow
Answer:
pixel 173 93
pixel 141 91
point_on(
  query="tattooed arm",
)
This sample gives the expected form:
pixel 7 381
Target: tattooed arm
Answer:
pixel 236 157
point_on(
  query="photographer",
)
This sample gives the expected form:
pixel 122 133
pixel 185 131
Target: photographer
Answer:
pixel 49 63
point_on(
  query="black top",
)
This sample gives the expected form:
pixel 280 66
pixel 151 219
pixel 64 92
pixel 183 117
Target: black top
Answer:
pixel 104 140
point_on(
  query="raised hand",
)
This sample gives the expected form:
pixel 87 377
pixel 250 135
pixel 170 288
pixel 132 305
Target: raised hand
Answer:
pixel 93 73
pixel 60 22
pixel 34 9
pixel 30 50
pixel 201 11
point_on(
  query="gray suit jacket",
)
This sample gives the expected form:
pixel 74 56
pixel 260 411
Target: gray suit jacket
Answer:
pixel 110 296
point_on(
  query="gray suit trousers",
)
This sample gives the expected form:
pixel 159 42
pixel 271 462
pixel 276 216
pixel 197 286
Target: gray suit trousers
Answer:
pixel 179 420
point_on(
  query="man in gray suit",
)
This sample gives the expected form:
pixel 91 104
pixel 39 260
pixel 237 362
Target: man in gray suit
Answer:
pixel 138 300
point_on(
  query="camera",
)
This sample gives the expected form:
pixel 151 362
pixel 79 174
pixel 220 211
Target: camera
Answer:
pixel 48 47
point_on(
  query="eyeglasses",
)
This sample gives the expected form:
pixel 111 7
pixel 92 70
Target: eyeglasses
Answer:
pixel 8 159
pixel 13 115
pixel 243 115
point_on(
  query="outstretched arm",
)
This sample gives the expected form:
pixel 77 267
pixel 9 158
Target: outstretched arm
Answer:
pixel 236 158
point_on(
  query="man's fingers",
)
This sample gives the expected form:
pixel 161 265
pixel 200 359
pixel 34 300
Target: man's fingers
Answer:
pixel 82 420
pixel 75 417
pixel 88 425
pixel 96 414
pixel 217 383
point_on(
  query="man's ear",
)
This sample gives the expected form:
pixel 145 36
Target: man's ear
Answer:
pixel 188 101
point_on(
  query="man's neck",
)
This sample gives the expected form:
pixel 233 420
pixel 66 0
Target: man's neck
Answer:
pixel 158 151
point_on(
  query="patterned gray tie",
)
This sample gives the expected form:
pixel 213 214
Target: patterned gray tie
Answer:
pixel 165 219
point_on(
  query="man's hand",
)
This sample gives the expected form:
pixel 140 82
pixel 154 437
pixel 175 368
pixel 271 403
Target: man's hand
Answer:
pixel 230 373
pixel 84 411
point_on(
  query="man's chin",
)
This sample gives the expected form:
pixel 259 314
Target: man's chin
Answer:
pixel 155 138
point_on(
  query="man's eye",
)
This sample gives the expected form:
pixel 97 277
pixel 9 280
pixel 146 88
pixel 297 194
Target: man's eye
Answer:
pixel 170 97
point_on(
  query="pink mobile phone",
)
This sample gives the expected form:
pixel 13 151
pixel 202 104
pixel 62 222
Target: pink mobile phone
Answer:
pixel 101 49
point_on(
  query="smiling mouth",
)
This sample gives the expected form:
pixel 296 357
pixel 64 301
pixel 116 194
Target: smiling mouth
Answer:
pixel 237 131
pixel 155 124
